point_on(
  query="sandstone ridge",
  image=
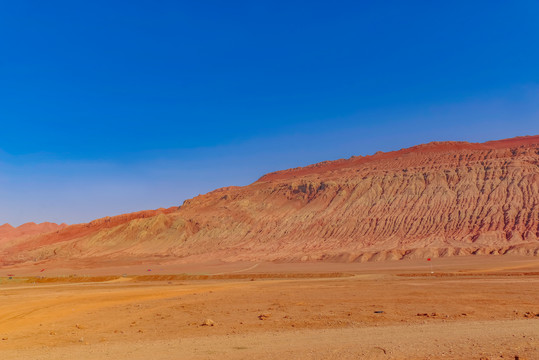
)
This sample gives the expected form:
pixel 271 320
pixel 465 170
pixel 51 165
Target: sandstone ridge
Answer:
pixel 432 200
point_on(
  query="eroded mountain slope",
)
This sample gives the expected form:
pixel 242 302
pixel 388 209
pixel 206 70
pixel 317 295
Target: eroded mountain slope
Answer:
pixel 438 199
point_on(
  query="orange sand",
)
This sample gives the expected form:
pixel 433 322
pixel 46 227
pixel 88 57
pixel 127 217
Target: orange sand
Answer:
pixel 471 307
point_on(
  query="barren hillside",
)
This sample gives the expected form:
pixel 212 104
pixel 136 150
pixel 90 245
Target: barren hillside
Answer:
pixel 437 199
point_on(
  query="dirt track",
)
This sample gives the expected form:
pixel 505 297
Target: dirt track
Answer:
pixel 393 311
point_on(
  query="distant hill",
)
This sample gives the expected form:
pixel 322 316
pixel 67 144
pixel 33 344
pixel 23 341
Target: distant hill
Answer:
pixel 8 232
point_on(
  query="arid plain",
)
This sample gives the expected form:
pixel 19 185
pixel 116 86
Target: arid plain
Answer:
pixel 473 307
pixel 429 252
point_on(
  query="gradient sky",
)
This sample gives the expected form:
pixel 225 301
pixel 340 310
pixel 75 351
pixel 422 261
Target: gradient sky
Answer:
pixel 109 107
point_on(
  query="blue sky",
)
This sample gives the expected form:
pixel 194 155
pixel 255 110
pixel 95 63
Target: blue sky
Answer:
pixel 111 107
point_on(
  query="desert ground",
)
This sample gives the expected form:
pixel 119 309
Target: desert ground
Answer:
pixel 474 307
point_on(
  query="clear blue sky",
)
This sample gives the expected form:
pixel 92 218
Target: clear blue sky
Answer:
pixel 108 107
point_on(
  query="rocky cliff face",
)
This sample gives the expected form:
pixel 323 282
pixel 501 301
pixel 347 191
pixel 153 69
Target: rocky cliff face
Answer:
pixel 438 199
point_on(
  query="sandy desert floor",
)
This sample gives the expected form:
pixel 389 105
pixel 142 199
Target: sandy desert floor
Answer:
pixel 468 308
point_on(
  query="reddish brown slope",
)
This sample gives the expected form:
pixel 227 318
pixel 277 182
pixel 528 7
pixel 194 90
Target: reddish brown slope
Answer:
pixel 8 232
pixel 439 199
pixel 436 199
pixel 41 245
